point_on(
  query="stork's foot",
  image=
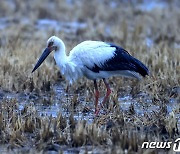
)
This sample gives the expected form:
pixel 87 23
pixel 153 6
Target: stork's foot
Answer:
pixel 97 109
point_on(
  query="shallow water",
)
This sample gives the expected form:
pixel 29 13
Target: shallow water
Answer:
pixel 147 5
pixel 58 101
pixel 3 23
pixel 68 27
pixel 139 108
pixel 65 149
pixel 44 24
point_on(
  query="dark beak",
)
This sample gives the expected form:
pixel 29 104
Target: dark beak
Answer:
pixel 46 52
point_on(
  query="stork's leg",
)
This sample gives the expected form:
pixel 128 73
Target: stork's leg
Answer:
pixel 96 97
pixel 107 93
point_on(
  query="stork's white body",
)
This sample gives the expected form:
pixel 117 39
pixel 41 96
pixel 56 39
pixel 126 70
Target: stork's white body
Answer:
pixel 85 55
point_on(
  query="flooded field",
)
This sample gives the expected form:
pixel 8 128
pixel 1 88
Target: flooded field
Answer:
pixel 43 113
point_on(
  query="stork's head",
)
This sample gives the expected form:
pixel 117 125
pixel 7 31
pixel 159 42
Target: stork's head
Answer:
pixel 53 44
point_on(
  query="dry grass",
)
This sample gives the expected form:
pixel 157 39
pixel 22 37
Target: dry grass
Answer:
pixel 21 43
pixel 120 130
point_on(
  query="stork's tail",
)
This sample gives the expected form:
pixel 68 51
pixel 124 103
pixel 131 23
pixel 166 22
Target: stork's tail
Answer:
pixel 141 68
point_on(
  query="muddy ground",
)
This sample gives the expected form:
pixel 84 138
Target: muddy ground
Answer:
pixel 42 113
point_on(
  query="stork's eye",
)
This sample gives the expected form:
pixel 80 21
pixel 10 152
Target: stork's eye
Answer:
pixel 50 44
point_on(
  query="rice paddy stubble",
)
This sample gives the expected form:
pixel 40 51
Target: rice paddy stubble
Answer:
pixel 118 130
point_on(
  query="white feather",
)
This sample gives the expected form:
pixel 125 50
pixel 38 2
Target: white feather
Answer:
pixel 89 53
pixel 85 55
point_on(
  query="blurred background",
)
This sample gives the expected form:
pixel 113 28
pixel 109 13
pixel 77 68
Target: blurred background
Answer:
pixel 140 26
pixel 39 110
pixel 124 21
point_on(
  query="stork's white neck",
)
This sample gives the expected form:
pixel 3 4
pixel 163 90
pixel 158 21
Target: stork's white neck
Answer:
pixel 67 67
pixel 60 55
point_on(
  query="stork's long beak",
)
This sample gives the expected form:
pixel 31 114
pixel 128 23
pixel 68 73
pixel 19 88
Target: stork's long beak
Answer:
pixel 46 52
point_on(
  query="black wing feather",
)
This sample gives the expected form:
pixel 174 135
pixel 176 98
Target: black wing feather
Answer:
pixel 121 61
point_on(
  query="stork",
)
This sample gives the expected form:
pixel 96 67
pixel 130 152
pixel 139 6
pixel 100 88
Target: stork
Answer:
pixel 94 60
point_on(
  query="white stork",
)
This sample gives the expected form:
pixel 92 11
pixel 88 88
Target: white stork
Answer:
pixel 94 60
